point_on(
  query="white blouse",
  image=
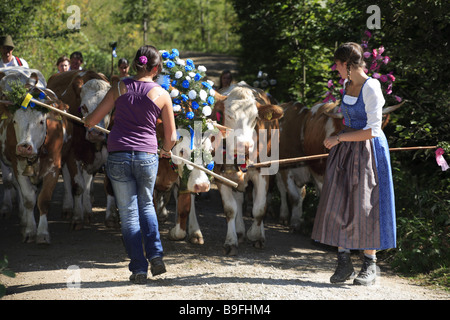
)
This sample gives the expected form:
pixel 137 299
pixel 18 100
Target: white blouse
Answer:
pixel 374 102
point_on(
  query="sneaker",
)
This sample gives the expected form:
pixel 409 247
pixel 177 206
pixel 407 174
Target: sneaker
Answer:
pixel 157 266
pixel 138 278
pixel 344 270
pixel 368 273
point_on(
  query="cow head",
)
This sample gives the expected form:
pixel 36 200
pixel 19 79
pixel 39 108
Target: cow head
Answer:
pixel 92 93
pixel 193 146
pixel 29 124
pixel 245 111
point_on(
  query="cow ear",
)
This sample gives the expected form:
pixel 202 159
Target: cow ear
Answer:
pixel 269 112
pixel 4 111
pixel 76 86
pixel 33 80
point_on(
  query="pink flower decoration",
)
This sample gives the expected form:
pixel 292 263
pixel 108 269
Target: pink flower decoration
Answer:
pixel 143 59
pixel 330 83
pixel 376 75
pixel 391 77
pixel 380 50
pixel 399 99
pixel 368 34
pixel 386 60
pixel 374 53
pixel 333 67
pixel 367 54
pixel 383 78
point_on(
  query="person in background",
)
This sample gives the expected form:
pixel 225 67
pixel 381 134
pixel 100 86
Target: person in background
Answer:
pixel 225 80
pixel 76 60
pixel 132 163
pixel 123 66
pixel 356 209
pixel 63 64
pixel 8 59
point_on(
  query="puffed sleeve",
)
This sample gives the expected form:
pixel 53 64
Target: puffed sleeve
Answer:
pixel 374 102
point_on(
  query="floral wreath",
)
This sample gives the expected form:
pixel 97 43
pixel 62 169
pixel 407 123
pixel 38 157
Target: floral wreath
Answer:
pixel 264 82
pixel 192 97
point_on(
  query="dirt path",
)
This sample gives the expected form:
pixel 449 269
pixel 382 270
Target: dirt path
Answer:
pixel 92 264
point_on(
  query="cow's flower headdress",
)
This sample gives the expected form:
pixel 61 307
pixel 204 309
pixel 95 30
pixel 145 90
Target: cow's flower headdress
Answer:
pixel 16 95
pixel 192 95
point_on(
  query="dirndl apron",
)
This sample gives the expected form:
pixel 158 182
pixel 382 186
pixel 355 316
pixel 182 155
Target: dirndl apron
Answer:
pixel 356 208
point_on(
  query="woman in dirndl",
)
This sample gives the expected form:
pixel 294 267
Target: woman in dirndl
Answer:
pixel 356 209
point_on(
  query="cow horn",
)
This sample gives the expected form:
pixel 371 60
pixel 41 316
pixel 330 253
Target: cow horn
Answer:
pixel 336 115
pixel 393 108
pixel 219 97
pixel 28 171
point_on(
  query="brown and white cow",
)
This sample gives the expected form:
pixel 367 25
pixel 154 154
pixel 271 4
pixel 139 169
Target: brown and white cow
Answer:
pixel 86 151
pixel 302 132
pixel 31 143
pixel 254 138
pixel 168 180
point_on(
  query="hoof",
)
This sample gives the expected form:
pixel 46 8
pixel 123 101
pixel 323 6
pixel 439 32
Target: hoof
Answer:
pixel 43 239
pixel 29 238
pixel 230 250
pixel 76 225
pixel 259 244
pixel 196 240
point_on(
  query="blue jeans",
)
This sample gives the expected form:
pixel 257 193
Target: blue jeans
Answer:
pixel 133 176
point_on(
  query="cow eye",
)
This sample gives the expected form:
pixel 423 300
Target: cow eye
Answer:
pixel 84 109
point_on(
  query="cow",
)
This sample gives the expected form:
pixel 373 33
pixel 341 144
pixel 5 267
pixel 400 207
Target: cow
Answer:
pixel 302 132
pixel 248 112
pixel 31 142
pixel 170 180
pixel 86 151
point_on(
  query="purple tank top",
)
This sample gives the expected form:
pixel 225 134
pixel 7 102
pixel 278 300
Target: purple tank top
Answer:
pixel 135 118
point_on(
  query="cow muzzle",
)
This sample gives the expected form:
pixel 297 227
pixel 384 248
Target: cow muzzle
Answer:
pixel 26 150
pixel 95 136
pixel 201 187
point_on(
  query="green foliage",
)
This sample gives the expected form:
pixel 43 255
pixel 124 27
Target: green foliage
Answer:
pixel 299 38
pixel 40 33
pixel 5 271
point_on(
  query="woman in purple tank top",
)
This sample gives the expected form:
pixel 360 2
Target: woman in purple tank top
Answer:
pixel 132 163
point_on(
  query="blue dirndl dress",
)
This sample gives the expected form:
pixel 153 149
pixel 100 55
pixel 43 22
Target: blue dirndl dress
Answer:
pixel 356 208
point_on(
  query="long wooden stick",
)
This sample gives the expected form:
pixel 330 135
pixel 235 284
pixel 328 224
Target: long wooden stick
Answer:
pixel 68 115
pixel 223 179
pixel 324 155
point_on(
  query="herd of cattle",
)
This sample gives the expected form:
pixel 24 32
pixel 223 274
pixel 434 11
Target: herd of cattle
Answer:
pixel 35 147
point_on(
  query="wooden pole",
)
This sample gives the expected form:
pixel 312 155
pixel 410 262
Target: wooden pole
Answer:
pixel 66 114
pixel 219 177
pixel 324 155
